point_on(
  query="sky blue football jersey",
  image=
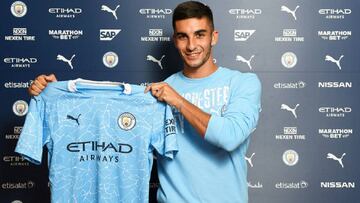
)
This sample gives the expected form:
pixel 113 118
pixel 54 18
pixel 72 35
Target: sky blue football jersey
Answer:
pixel 100 138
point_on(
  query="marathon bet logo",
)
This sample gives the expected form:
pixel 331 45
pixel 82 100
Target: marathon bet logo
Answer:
pixel 242 35
pixel 155 13
pixel 292 185
pixel 334 13
pixel 245 13
pixel 155 35
pixel 335 133
pixel 290 85
pixel 337 184
pixel 335 84
pixel 290 133
pixel 20 62
pixel 334 35
pixel 20 34
pixel 289 35
pixel 65 34
pixel 335 112
pixel 108 34
pixel 65 12
pixel 15 135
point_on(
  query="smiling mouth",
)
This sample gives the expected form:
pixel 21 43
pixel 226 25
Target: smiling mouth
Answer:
pixel 192 55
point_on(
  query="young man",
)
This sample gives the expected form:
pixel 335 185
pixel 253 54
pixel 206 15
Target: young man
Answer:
pixel 216 109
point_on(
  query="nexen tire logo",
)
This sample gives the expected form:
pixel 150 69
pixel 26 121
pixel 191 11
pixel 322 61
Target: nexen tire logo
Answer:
pixel 108 34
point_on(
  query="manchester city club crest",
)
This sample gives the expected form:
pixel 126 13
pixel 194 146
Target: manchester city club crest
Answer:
pixel 288 60
pixel 20 108
pixel 290 157
pixel 110 59
pixel 18 9
pixel 126 121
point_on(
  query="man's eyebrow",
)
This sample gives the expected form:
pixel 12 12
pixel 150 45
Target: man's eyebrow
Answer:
pixel 200 31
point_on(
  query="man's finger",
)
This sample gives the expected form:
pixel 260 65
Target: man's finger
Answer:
pixel 148 87
pixel 35 89
pixel 33 93
pixel 38 84
pixel 50 78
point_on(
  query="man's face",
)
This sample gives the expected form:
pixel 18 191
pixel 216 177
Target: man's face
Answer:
pixel 194 38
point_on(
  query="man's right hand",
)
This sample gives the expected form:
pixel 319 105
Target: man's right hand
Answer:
pixel 40 83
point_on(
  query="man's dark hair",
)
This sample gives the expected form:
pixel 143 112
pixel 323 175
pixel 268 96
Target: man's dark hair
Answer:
pixel 192 9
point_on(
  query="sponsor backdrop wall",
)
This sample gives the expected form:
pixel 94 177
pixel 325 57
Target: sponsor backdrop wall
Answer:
pixel 306 54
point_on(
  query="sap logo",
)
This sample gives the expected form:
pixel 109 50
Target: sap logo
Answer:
pixel 242 35
pixel 108 34
pixel 337 184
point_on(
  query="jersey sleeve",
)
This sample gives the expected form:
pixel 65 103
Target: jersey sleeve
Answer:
pixel 163 138
pixel 32 137
pixel 240 116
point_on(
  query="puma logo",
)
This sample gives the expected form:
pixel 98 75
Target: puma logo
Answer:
pixel 331 156
pixel 249 160
pixel 331 59
pixel 68 61
pixel 151 58
pixel 107 9
pixel 292 110
pixel 242 59
pixel 287 10
pixel 75 119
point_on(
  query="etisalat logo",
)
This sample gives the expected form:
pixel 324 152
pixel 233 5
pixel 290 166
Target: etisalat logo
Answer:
pixel 65 34
pixel 335 133
pixel 20 62
pixel 335 112
pixel 292 185
pixel 334 35
pixel 155 35
pixel 290 85
pixel 245 13
pixel 242 35
pixel 90 150
pixel 15 135
pixel 155 13
pixel 18 185
pixel 158 61
pixel 289 35
pixel 334 13
pixel 20 34
pixel 290 133
pixel 65 12
pixel 244 60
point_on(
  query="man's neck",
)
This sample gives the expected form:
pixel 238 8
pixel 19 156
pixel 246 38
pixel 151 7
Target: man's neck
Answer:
pixel 201 72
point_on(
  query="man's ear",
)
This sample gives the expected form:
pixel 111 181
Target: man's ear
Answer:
pixel 214 37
